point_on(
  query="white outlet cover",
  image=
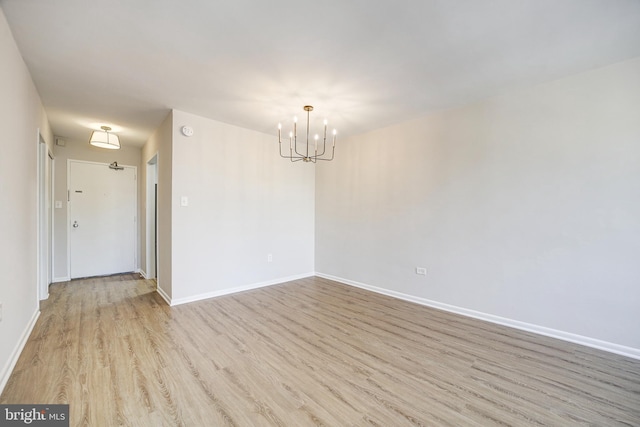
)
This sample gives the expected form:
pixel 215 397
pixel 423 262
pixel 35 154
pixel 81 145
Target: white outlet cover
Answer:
pixel 187 130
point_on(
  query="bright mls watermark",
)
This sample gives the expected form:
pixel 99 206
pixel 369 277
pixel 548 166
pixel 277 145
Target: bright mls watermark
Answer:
pixel 34 415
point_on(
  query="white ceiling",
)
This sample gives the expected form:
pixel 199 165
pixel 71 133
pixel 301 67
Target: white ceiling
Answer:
pixel 362 64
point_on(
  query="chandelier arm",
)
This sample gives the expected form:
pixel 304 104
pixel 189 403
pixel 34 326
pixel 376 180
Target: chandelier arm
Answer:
pixel 295 149
pixel 295 145
pixel 280 144
pixel 295 138
pixel 324 140
pixel 290 156
pixel 324 146
pixel 324 149
pixel 333 151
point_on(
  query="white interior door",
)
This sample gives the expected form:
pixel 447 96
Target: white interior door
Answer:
pixel 102 214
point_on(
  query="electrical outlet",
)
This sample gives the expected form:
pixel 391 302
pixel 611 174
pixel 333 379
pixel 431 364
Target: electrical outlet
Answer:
pixel 421 271
pixel 269 258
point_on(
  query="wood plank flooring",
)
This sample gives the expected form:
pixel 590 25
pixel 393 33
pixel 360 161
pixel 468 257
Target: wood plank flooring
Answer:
pixel 305 353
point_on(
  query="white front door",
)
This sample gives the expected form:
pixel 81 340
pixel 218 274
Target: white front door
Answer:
pixel 102 214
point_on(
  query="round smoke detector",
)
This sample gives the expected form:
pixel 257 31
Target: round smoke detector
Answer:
pixel 187 131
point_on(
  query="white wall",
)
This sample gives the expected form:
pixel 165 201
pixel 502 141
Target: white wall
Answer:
pixel 244 203
pixel 21 115
pixel 525 206
pixel 80 150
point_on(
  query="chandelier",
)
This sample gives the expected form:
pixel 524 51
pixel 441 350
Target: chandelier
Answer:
pixel 307 152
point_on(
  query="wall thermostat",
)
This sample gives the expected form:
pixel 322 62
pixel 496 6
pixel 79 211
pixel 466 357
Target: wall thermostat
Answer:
pixel 187 131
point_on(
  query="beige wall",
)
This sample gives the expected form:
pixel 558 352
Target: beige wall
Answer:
pixel 245 202
pixel 21 118
pixel 523 208
pixel 81 150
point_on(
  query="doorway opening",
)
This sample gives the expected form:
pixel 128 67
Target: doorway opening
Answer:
pixel 152 219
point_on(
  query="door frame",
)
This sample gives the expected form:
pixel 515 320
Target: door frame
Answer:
pixel 44 214
pixel 151 262
pixel 68 224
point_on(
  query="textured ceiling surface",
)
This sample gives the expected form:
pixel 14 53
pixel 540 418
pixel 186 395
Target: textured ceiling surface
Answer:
pixel 362 64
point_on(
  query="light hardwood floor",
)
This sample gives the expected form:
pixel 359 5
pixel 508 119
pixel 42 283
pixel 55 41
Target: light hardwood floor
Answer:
pixel 309 352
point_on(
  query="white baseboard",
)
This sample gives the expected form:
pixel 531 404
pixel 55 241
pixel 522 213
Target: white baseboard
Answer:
pixel 516 324
pixel 228 291
pixel 164 295
pixel 61 279
pixel 13 359
pixel 144 274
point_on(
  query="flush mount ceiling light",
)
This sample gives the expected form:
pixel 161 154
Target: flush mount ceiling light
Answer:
pixel 104 139
pixel 302 151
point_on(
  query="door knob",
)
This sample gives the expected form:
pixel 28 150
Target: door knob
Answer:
pixel 75 224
